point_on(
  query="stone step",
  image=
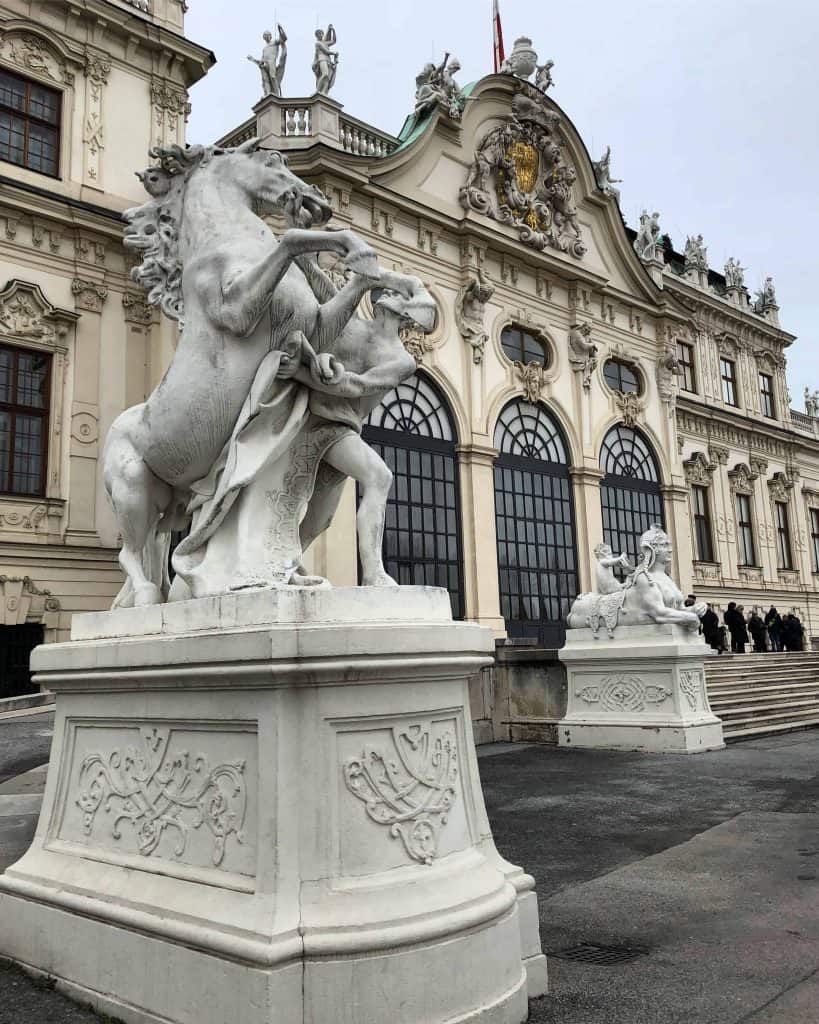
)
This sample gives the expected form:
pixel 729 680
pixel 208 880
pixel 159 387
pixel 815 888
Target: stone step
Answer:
pixel 741 689
pixel 800 714
pixel 767 710
pixel 765 729
pixel 732 698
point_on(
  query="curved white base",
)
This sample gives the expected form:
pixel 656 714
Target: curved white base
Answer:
pixel 275 819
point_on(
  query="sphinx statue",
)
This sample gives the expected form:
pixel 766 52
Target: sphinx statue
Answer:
pixel 648 595
pixel 249 437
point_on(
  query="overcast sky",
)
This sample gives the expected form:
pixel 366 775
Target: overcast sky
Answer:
pixel 710 107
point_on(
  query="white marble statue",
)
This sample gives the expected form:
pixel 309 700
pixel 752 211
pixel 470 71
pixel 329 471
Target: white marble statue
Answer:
pixel 766 297
pixel 647 244
pixel 648 595
pixel 543 76
pixel 272 62
pixel 470 308
pixel 607 562
pixel 256 424
pixel 602 172
pixel 811 403
pixel 325 60
pixel 734 274
pixel 696 254
pixel 582 352
pixel 436 86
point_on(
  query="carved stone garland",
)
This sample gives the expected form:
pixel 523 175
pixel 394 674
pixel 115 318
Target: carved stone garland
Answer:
pixel 519 177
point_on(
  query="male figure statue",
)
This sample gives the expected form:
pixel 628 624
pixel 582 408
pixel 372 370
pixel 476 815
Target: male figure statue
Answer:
pixel 272 63
pixel 325 60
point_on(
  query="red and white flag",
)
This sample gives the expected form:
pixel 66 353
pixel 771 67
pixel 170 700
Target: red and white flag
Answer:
pixel 497 36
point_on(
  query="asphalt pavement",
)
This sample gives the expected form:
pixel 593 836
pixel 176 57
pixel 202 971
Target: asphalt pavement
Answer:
pixel 687 885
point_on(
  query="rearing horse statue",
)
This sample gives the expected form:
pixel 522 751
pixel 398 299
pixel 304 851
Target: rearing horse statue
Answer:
pixel 257 316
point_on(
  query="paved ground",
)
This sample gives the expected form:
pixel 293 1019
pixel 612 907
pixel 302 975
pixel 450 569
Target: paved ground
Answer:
pixel 707 863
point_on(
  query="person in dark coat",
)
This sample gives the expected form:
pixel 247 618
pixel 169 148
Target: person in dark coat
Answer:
pixel 773 620
pixel 735 622
pixel 712 631
pixel 791 633
pixel 756 627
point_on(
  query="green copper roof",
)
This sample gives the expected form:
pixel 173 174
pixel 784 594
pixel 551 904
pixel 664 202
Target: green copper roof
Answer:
pixel 413 127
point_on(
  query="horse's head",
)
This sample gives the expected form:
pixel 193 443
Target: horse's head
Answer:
pixel 263 175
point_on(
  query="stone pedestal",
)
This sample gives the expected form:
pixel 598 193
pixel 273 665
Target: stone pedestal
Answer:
pixel 643 690
pixel 266 807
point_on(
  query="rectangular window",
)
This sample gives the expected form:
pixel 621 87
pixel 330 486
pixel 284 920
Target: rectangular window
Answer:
pixel 783 537
pixel 766 395
pixel 24 395
pixel 814 533
pixel 702 524
pixel 745 530
pixel 29 124
pixel 728 372
pixel 685 357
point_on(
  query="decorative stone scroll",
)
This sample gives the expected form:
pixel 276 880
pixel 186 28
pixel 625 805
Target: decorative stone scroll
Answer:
pixel 691 685
pixel 156 788
pixel 409 787
pixel 21 600
pixel 26 313
pixel 32 52
pixel 741 479
pixel 624 693
pixel 519 177
pixel 698 470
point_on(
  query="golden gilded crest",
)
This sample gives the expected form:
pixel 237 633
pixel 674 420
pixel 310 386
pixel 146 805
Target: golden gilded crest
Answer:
pixel 526 161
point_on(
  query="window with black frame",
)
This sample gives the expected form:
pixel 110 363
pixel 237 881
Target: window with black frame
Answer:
pixel 622 377
pixel 702 524
pixel 728 376
pixel 630 496
pixel 524 347
pixel 535 524
pixel 745 530
pixel 24 400
pixel 29 124
pixel 766 395
pixel 814 536
pixel 414 433
pixel 685 358
pixel 784 557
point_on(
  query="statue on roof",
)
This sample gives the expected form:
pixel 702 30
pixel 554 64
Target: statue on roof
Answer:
pixel 766 297
pixel 696 254
pixel 647 244
pixel 734 274
pixel 325 60
pixel 272 62
pixel 543 75
pixel 522 61
pixel 436 86
pixel 602 172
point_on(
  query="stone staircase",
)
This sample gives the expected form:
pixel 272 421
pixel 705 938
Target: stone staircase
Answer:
pixel 763 694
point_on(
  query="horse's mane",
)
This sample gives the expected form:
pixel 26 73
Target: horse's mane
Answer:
pixel 153 228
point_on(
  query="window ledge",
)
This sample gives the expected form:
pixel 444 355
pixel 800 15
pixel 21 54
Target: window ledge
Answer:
pixel 27 515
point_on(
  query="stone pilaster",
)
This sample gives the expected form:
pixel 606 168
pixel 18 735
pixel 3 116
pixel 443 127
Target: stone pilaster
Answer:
pixel 588 520
pixel 480 547
pixel 97 68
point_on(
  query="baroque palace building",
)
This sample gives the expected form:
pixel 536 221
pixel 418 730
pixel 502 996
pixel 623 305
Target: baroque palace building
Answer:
pixel 86 88
pixel 583 380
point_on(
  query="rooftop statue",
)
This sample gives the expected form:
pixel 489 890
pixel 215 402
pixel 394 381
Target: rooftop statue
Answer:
pixel 272 63
pixel 647 596
pixel 325 60
pixel 811 402
pixel 436 86
pixel 256 424
pixel 647 244
pixel 696 255
pixel 766 297
pixel 522 61
pixel 602 172
pixel 734 274
pixel 543 75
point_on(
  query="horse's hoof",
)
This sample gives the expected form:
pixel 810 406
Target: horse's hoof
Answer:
pixel 147 593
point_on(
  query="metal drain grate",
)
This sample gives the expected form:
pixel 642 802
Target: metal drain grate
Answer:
pixel 591 953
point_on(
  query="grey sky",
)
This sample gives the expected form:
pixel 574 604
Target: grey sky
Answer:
pixel 710 107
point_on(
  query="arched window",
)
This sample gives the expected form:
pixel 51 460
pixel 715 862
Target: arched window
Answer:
pixel 413 432
pixel 523 346
pixel 534 518
pixel 630 496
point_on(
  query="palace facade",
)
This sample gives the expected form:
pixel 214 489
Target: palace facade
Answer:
pixel 583 380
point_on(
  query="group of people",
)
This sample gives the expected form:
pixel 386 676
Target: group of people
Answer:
pixel 773 633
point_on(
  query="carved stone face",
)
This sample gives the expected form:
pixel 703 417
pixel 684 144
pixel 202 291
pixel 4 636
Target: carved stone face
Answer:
pixel 419 307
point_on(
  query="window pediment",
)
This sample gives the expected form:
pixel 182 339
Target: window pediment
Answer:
pixel 27 315
pixel 36 54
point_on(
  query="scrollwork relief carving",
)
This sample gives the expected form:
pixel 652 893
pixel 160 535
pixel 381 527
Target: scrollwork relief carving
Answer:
pixel 33 53
pixel 409 786
pixel 691 685
pixel 630 407
pixel 156 790
pixel 89 294
pixel 698 470
pixel 532 378
pixel 624 693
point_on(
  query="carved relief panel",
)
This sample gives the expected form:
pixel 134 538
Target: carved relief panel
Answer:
pixel 401 797
pixel 158 795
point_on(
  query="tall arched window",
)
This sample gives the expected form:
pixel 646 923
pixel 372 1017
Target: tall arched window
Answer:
pixel 630 496
pixel 414 433
pixel 534 518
